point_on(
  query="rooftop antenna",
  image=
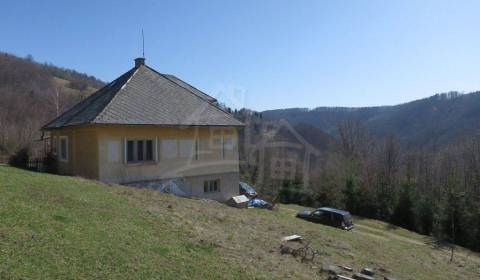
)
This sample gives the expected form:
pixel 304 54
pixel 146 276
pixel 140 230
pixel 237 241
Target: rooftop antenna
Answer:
pixel 143 45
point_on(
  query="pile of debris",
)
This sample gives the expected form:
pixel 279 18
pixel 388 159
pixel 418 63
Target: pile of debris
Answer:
pixel 296 246
pixel 302 251
pixel 336 272
pixel 248 198
pixel 239 201
pixel 242 201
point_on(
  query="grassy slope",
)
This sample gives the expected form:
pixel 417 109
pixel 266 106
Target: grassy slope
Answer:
pixel 63 227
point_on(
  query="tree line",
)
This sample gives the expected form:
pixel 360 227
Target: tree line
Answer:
pixel 434 191
pixel 33 94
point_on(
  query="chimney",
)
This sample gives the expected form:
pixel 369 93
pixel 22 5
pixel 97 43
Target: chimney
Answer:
pixel 139 61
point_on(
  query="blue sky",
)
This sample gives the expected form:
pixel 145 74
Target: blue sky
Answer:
pixel 263 54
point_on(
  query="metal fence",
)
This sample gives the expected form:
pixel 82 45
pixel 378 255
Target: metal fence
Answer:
pixel 35 164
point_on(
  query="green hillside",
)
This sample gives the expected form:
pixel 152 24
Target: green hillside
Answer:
pixel 56 227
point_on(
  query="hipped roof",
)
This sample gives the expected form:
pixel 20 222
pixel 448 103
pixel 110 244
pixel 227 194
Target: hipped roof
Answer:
pixel 143 96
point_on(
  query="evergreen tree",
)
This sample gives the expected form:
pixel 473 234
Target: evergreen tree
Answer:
pixel 403 214
pixel 350 194
pixel 425 216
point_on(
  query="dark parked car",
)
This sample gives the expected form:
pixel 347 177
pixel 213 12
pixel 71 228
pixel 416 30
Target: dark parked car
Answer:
pixel 328 216
pixel 247 190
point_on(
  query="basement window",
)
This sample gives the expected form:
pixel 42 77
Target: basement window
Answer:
pixel 210 186
pixel 140 151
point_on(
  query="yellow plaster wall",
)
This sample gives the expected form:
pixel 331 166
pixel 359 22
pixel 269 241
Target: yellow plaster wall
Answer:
pixel 82 151
pixel 112 167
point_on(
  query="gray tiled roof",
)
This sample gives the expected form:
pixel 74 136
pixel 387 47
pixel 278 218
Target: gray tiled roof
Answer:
pixel 144 96
pixel 189 87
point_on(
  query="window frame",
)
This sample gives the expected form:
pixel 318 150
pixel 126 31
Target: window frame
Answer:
pixel 163 154
pixel 317 213
pixel 59 150
pixel 224 143
pixel 54 145
pixel 180 147
pixel 135 147
pixel 211 186
pixel 230 147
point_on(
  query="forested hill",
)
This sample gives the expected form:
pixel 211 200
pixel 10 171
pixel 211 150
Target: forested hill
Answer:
pixel 31 94
pixel 437 120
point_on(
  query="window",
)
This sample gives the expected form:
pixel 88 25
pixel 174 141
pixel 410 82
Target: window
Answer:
pixel 227 147
pixel 114 148
pixel 169 148
pixel 217 142
pixel 228 143
pixel 186 147
pixel 54 145
pixel 130 151
pixel 317 213
pixel 149 150
pixel 223 144
pixel 211 186
pixel 140 151
pixel 63 148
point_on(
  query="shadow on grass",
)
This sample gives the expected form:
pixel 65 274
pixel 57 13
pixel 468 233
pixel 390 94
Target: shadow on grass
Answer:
pixel 391 227
pixel 436 244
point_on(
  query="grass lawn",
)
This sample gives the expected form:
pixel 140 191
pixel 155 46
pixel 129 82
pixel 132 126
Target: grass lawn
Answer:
pixel 57 227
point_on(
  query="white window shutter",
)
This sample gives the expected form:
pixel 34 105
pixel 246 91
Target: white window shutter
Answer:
pixel 223 146
pixel 125 150
pixel 156 149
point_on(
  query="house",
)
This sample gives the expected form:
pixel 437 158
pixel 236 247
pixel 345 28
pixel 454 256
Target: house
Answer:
pixel 146 127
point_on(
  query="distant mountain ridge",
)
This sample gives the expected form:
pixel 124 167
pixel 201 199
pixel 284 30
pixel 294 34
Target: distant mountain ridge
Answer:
pixel 436 120
pixel 33 93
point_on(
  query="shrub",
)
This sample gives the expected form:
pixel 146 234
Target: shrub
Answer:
pixel 50 163
pixel 78 85
pixel 292 191
pixel 20 158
